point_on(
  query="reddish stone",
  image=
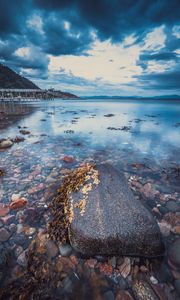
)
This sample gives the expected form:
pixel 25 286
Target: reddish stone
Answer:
pixel 125 268
pixel 51 248
pixel 136 184
pixel 20 203
pixel 36 188
pixel 8 219
pixel 91 263
pixel 149 191
pixel 123 295
pixel 68 159
pixel 74 260
pixel 3 210
pixel 105 268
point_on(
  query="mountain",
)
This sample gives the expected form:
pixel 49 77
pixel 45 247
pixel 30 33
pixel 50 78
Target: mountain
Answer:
pixel 163 97
pixel 11 80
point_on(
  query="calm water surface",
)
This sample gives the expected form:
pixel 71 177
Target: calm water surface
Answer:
pixel 153 128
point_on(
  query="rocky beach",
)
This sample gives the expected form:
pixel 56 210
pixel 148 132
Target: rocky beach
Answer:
pixel 90 211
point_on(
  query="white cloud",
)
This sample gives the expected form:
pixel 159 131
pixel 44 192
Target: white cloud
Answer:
pixel 159 67
pixel 155 40
pixel 176 31
pixel 110 62
pixel 24 52
pixel 36 23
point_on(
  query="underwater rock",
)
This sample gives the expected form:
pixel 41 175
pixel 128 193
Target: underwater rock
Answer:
pixel 106 219
pixel 3 210
pixel 19 203
pixel 68 159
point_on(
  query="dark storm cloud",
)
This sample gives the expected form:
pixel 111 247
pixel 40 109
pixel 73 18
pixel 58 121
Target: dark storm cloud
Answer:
pixel 13 16
pixel 168 80
pixel 115 19
pixel 110 19
pixel 67 27
pixel 159 56
pixel 61 40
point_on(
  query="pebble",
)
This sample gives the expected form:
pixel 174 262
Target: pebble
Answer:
pixel 176 229
pixel 177 286
pixel 19 228
pixel 153 280
pixel 124 295
pixel 19 239
pixel 18 251
pixel 165 228
pixel 4 254
pixel 51 248
pixel 91 263
pixel 29 231
pixel 4 235
pixel 65 250
pixel 22 260
pixel 15 197
pixel 112 261
pixel 172 206
pixel 68 159
pixel 8 219
pixel 122 283
pixel 108 295
pixel 101 258
pixel 125 268
pixel 149 191
pixel 174 253
pixel 105 268
pixel 6 144
pixel 3 210
pixel 12 228
pixel 19 203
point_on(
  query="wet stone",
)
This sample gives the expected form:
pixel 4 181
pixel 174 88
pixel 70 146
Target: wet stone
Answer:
pixel 4 255
pixel 22 260
pixel 174 253
pixel 19 239
pixel 124 295
pixel 177 286
pixel 109 295
pixel 110 221
pixel 65 250
pixel 52 249
pixel 122 283
pixel 172 206
pixel 4 235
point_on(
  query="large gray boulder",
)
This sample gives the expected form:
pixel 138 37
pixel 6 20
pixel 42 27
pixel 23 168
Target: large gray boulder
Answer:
pixel 106 219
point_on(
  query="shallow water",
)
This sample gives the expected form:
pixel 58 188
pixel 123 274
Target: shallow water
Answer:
pixel 141 138
pixel 153 128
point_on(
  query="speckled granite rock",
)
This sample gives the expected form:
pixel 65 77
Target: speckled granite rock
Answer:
pixel 108 220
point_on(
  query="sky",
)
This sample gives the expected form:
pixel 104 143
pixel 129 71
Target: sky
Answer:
pixel 94 47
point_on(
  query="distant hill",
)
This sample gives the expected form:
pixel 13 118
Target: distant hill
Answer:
pixel 164 97
pixel 11 80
